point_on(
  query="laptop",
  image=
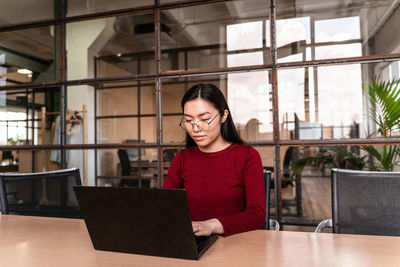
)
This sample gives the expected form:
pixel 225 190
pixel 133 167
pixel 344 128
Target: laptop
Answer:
pixel 145 221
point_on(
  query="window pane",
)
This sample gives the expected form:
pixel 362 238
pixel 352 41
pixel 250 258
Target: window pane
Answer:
pixel 248 97
pixel 117 46
pixel 14 12
pixel 28 56
pixel 324 30
pixel 314 184
pixel 172 133
pixel 78 7
pixel 331 102
pixel 202 36
pixel 143 172
pixel 26 116
pixel 250 104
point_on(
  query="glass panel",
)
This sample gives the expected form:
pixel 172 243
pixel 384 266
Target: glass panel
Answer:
pixel 109 47
pixel 79 115
pixel 116 130
pixel 251 104
pixel 14 12
pixel 248 97
pixel 27 56
pixel 314 183
pixel 172 93
pixel 118 101
pixel 147 98
pixel 321 103
pixel 172 133
pixel 143 173
pixel 321 30
pixel 148 129
pixel 331 102
pixel 25 117
pixel 211 36
pixel 267 158
pixel 78 7
pixel 26 161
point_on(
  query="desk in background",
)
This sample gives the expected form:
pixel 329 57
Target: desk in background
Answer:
pixel 41 241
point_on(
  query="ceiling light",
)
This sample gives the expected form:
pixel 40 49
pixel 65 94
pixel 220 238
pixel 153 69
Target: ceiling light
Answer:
pixel 24 71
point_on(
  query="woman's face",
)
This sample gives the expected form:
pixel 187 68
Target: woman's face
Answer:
pixel 199 112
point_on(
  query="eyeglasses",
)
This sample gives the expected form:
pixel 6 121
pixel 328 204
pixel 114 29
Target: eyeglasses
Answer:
pixel 202 125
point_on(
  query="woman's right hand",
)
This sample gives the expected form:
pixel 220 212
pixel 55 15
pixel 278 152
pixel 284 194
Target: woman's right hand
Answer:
pixel 208 227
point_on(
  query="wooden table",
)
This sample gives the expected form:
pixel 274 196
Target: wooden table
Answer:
pixel 40 241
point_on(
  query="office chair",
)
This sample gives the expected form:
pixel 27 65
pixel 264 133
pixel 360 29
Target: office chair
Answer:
pixel 41 193
pixel 169 154
pixel 274 224
pixel 364 202
pixel 126 170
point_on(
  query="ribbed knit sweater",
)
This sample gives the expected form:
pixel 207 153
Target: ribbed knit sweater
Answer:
pixel 227 185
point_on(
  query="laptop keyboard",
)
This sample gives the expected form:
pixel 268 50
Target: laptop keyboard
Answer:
pixel 200 240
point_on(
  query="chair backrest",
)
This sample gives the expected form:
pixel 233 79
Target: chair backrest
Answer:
pixel 169 154
pixel 125 162
pixel 366 202
pixel 41 193
pixel 267 185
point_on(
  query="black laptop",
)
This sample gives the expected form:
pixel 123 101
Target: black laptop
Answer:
pixel 141 221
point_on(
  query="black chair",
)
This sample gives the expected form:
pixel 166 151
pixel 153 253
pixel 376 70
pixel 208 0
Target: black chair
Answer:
pixel 364 202
pixel 127 170
pixel 269 223
pixel 169 154
pixel 41 193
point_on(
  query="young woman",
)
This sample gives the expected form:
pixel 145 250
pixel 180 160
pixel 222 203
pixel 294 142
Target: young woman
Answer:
pixel 222 176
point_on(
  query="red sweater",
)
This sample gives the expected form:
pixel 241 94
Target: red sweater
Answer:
pixel 227 185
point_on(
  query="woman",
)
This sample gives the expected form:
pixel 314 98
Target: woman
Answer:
pixel 222 176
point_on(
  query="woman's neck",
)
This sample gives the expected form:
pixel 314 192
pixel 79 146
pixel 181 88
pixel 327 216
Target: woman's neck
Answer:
pixel 218 145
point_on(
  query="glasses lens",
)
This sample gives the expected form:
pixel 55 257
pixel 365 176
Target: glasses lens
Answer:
pixel 185 126
pixel 203 125
pixel 200 126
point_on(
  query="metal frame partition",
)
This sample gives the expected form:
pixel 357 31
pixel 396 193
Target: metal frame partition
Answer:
pixel 60 20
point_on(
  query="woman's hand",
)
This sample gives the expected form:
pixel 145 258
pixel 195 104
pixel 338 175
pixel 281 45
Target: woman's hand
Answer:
pixel 206 228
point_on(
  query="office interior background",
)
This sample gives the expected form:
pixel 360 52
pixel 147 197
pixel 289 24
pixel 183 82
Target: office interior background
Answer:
pixel 81 79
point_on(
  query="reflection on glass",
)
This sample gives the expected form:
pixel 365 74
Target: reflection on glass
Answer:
pixel 337 30
pixel 117 101
pixel 111 168
pixel 337 51
pixel 77 7
pixel 334 30
pixel 27 56
pixel 117 46
pixel 24 119
pixel 293 36
pixel 249 31
pixel 172 133
pixel 248 99
pixel 14 12
pixel 334 111
pixel 116 130
pixel 202 36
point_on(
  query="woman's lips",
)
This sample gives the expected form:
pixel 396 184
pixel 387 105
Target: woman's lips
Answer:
pixel 198 137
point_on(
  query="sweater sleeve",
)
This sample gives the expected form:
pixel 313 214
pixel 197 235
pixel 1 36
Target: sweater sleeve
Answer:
pixel 253 216
pixel 174 178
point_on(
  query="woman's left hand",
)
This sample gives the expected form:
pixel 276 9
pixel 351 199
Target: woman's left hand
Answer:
pixel 206 228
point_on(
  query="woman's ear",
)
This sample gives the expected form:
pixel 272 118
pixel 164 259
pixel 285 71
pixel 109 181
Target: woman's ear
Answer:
pixel 225 116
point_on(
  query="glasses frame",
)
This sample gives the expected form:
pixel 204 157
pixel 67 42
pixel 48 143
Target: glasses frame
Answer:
pixel 195 123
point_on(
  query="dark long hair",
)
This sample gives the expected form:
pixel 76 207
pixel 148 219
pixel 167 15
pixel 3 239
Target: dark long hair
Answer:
pixel 213 94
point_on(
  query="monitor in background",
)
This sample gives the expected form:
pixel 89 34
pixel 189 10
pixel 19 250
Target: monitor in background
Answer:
pixel 133 153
